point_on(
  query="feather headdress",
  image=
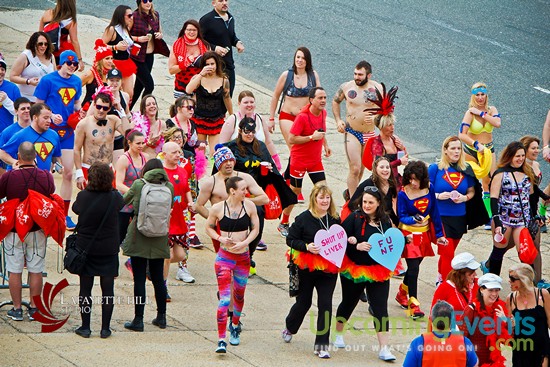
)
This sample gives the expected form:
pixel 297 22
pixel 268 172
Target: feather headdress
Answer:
pixel 384 101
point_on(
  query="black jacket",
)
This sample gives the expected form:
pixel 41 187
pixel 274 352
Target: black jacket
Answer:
pixel 219 33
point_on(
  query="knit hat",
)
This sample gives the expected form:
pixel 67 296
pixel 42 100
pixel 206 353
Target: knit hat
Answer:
pixel 101 50
pixel 67 55
pixel 221 155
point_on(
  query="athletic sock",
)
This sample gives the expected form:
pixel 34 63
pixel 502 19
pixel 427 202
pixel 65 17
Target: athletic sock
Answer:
pixel 67 206
pixel 286 218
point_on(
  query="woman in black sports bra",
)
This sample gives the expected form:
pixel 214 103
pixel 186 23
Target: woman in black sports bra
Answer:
pixel 234 223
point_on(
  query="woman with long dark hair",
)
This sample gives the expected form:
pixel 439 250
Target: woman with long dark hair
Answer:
pixel 185 56
pixel 64 13
pixel 211 88
pixel 360 270
pixel 511 188
pixel 314 271
pixel 147 33
pixel 117 37
pixel 98 206
pixel 36 61
pixel 417 211
pixel 294 86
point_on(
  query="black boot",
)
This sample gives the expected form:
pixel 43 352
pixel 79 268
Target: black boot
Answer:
pixel 136 324
pixel 160 320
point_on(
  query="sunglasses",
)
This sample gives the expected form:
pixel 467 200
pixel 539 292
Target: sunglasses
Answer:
pixel 100 107
pixel 513 279
pixel 189 108
pixel 129 15
pixel 147 1
pixel 72 63
pixel 248 132
pixel 370 189
pixel 41 44
pixel 24 108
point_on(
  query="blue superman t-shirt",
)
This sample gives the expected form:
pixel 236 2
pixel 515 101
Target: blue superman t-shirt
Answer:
pixel 47 145
pixel 59 93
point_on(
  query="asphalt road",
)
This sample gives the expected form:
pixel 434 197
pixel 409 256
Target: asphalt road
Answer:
pixel 433 50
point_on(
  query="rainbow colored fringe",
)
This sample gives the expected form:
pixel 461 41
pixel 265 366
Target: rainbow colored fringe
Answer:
pixel 367 273
pixel 307 260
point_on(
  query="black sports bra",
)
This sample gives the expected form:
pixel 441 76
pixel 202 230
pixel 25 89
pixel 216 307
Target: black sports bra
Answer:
pixel 230 225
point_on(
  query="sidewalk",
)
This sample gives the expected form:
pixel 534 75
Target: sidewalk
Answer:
pixel 191 337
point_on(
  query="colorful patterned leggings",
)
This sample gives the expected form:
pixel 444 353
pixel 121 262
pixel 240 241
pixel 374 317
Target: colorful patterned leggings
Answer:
pixel 229 267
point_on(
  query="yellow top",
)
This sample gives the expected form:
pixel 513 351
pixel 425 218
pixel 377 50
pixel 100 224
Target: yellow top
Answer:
pixel 477 127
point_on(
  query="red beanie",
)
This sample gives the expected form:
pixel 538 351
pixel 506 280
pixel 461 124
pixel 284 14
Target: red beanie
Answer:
pixel 101 50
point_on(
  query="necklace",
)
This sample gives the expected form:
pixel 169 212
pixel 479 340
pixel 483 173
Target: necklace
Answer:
pixel 325 226
pixel 378 226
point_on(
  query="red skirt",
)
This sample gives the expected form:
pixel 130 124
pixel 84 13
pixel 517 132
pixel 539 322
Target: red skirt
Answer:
pixel 209 126
pixel 418 247
pixel 126 67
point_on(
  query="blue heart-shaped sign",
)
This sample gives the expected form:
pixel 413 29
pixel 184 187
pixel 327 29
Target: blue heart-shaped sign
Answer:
pixel 387 249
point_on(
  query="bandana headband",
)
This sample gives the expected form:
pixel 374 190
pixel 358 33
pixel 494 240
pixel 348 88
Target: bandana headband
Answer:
pixel 479 90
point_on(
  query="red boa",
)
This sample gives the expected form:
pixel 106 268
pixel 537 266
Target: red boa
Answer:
pixel 497 359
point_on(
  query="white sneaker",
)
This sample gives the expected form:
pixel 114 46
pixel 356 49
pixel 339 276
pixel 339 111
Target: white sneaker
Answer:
pixel 386 355
pixel 339 342
pixel 323 354
pixel 184 275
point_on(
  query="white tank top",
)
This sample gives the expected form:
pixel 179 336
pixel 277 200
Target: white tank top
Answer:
pixel 35 69
pixel 259 134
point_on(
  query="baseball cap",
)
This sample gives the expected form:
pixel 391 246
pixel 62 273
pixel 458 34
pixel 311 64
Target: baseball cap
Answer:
pixel 3 62
pixel 67 55
pixel 465 260
pixel 114 73
pixel 490 281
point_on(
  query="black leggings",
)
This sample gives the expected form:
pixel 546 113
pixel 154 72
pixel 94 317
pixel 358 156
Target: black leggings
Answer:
pixel 231 76
pixel 156 267
pixel 324 283
pixel 411 276
pixel 144 79
pixel 351 292
pixel 107 302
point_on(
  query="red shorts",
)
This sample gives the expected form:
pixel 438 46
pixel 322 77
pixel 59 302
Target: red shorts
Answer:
pixel 299 170
pixel 286 116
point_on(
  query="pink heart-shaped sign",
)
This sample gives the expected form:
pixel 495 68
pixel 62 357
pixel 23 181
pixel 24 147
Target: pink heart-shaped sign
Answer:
pixel 333 243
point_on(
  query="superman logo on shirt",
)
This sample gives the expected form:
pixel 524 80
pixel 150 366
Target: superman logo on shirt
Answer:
pixel 43 150
pixel 422 204
pixel 67 95
pixel 453 178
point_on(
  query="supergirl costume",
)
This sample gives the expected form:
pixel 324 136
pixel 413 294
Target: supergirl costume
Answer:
pixel 360 270
pixel 314 272
pixel 457 218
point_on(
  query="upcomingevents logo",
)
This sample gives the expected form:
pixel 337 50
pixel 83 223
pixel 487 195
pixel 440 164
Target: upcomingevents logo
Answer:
pixel 44 306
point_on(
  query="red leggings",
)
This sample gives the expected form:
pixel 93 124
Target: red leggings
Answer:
pixel 446 254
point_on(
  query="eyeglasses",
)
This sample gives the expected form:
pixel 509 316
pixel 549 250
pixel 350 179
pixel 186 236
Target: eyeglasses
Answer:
pixel 129 15
pixel 72 63
pixel 41 43
pixel 370 189
pixel 104 108
pixel 513 279
pixel 191 30
pixel 177 137
pixel 147 1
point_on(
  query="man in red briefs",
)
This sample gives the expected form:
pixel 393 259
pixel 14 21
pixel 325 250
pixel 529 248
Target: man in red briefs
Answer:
pixel 307 136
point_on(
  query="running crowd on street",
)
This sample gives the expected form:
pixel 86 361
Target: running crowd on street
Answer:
pixel 142 181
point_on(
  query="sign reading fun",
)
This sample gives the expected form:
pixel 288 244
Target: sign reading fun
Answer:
pixel 387 248
pixel 333 244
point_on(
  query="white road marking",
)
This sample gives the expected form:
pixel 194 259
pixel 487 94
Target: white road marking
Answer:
pixel 542 90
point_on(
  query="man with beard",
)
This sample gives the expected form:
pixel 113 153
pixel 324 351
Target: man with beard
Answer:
pixel 357 128
pixel 96 134
pixel 61 91
pixel 218 29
